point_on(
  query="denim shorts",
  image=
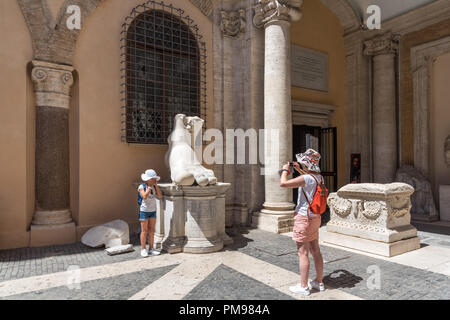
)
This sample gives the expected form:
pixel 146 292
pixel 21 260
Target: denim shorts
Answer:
pixel 144 216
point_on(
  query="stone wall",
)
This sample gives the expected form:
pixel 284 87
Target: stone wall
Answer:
pixel 410 40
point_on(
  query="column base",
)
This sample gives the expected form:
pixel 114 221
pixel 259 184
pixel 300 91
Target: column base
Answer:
pixel 203 245
pixel 226 239
pixel 370 246
pixel 46 235
pixel 51 217
pixel 275 223
pixel 174 245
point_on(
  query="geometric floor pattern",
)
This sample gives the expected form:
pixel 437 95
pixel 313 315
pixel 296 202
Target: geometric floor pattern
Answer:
pixel 258 266
pixel 114 288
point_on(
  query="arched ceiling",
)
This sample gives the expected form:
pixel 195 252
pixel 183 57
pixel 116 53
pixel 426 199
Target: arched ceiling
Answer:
pixel 389 8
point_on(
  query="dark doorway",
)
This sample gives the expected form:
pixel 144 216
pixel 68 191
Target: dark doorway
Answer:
pixel 323 140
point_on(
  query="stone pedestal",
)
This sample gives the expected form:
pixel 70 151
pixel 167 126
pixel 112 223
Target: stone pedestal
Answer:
pixel 444 200
pixel 52 220
pixel 275 16
pixel 46 235
pixel 374 218
pixel 383 49
pixel 192 219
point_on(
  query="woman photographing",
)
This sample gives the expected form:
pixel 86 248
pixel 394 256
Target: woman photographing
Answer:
pixel 306 223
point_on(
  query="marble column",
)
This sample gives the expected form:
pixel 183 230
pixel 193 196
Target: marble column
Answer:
pixel 275 16
pixel 52 221
pixel 383 50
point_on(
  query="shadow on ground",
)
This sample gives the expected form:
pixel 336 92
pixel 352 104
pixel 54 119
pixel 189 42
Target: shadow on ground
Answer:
pixel 340 279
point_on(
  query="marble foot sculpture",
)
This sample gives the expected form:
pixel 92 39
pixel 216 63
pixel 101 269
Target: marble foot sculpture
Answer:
pixel 185 168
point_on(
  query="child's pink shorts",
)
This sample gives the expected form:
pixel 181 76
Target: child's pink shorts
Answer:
pixel 305 229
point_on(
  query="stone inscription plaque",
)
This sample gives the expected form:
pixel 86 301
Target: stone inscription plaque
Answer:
pixel 309 69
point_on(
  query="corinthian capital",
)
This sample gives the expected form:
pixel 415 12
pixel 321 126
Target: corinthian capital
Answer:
pixel 233 22
pixel 381 44
pixel 272 10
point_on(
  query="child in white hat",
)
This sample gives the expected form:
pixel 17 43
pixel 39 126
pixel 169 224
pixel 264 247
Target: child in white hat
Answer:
pixel 148 192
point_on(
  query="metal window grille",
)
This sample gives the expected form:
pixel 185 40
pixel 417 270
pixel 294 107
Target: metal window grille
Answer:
pixel 163 72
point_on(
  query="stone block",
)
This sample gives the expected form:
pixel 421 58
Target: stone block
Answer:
pixel 370 246
pixel 111 234
pixel 45 235
pixel 273 223
pixel 119 249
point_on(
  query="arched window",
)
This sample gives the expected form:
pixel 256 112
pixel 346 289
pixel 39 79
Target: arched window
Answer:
pixel 163 73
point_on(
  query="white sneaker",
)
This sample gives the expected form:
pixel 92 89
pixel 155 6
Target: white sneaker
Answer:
pixel 144 253
pixel 299 289
pixel 155 252
pixel 313 284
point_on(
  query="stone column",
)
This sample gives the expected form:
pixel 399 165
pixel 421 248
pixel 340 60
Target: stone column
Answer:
pixel 52 221
pixel 275 16
pixel 384 49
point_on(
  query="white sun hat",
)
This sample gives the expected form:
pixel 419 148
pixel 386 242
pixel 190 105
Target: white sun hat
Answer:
pixel 149 174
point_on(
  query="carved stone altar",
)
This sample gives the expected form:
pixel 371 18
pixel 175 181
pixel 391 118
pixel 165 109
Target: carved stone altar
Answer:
pixel 374 218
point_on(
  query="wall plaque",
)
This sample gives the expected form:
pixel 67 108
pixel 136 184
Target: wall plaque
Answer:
pixel 309 69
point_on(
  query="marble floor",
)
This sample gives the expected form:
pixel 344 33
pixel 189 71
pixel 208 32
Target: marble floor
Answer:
pixel 258 266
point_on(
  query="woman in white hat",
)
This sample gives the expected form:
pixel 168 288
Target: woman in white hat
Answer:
pixel 306 224
pixel 148 191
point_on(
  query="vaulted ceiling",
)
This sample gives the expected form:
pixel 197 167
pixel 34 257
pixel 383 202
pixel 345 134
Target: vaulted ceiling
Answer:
pixel 389 8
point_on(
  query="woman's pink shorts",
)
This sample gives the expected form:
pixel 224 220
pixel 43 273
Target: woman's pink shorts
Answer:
pixel 305 229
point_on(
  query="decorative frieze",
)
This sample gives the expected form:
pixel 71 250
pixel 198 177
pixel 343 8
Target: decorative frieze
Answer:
pixel 275 10
pixel 382 44
pixel 233 22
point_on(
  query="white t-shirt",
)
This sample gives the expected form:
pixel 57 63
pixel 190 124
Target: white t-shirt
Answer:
pixel 149 204
pixel 310 189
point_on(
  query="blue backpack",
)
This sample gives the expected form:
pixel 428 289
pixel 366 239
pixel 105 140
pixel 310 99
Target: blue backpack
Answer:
pixel 139 197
